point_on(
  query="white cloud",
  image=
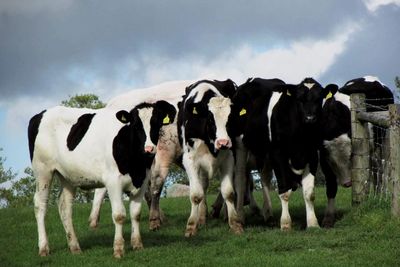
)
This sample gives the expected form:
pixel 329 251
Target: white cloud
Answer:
pixel 291 63
pixel 374 5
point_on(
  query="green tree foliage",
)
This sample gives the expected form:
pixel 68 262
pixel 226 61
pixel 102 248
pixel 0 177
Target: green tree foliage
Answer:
pixel 84 101
pixel 7 176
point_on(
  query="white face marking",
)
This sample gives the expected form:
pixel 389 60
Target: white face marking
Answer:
pixel 220 107
pixel 309 85
pixel 145 116
pixel 274 99
pixel 201 89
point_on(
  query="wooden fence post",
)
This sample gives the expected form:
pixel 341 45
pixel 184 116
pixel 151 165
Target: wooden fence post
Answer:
pixel 360 171
pixel 394 139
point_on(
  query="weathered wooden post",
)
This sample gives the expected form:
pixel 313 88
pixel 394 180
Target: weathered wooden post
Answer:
pixel 360 171
pixel 394 139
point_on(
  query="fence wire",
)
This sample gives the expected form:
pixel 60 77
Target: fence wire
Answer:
pixel 379 155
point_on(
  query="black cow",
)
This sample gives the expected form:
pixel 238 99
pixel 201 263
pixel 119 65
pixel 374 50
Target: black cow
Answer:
pixel 335 151
pixel 206 141
pixel 95 148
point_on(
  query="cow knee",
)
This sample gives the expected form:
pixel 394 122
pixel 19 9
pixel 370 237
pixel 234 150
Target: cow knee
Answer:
pixel 196 198
pixel 119 218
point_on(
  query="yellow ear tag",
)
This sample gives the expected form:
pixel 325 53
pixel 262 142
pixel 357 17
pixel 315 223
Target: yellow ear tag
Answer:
pixel 123 119
pixel 166 120
pixel 194 110
pixel 288 93
pixel 242 112
pixel 329 95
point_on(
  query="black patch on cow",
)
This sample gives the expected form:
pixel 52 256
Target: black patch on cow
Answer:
pixel 129 156
pixel 377 96
pixel 78 130
pixel 335 119
pixel 33 129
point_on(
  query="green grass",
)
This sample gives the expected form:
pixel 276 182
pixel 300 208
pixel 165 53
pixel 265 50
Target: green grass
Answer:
pixel 363 236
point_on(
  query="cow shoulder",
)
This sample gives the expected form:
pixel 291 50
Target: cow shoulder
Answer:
pixel 78 130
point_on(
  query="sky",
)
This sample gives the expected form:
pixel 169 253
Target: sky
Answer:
pixel 53 49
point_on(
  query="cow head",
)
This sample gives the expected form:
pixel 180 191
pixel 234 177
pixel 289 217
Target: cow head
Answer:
pixel 145 121
pixel 205 112
pixel 308 95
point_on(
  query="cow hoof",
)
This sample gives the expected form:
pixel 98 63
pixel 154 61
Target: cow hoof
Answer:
pixel 286 227
pixel 118 254
pixel 44 252
pixel 190 231
pixel 75 250
pixel 237 229
pixel 155 224
pixel 328 221
pixel 137 244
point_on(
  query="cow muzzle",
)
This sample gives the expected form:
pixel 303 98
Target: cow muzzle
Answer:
pixel 223 144
pixel 150 149
pixel 310 119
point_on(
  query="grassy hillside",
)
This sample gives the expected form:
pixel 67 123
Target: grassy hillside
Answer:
pixel 364 236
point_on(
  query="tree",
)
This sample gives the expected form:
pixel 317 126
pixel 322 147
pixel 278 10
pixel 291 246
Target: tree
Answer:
pixel 84 101
pixel 6 176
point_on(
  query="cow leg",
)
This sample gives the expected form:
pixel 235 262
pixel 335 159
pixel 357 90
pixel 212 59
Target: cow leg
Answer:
pixel 118 216
pixel 286 221
pixel 135 210
pixel 203 210
pixel 99 195
pixel 65 210
pixel 240 176
pixel 309 196
pixel 196 194
pixel 331 191
pixel 266 177
pixel 159 172
pixel 43 183
pixel 217 206
pixel 228 194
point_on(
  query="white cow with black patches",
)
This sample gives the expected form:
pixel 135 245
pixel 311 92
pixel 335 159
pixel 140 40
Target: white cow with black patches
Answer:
pixel 168 149
pixel 202 125
pixel 94 148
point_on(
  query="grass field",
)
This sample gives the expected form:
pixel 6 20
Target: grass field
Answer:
pixel 363 236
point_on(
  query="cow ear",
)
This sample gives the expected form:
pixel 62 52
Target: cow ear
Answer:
pixel 167 110
pixel 330 90
pixel 123 116
pixel 287 89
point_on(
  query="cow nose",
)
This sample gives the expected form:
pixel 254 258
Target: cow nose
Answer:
pixel 149 149
pixel 310 119
pixel 222 143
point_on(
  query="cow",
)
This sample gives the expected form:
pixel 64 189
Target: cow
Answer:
pixel 287 136
pixel 95 148
pixel 168 147
pixel 335 152
pixel 207 147
pixel 248 101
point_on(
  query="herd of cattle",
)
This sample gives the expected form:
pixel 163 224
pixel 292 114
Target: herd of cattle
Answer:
pixel 209 127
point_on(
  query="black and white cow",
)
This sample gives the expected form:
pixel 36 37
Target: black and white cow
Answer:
pixel 248 106
pixel 168 147
pixel 94 148
pixel 206 141
pixel 335 153
pixel 287 136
